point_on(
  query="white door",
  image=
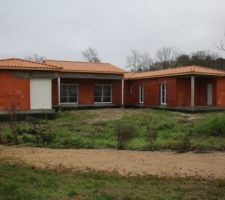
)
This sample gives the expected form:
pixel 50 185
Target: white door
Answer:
pixel 41 93
pixel 209 94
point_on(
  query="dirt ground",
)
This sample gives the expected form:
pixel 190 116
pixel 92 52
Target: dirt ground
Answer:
pixel 207 165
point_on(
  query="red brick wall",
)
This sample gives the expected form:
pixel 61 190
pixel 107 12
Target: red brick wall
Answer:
pixel 14 92
pixel 178 91
pixel 86 90
pixel 184 91
pixel 17 91
pixel 220 90
pixel 151 91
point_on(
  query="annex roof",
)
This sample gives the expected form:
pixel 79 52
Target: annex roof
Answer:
pixel 186 70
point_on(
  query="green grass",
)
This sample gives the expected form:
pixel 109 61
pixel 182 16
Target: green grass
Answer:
pixel 96 129
pixel 20 182
pixel 74 116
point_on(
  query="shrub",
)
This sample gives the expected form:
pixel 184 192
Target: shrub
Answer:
pixel 184 144
pixel 7 137
pixel 125 131
pixel 28 138
pixel 73 142
pixel 47 136
pixel 66 139
pixel 42 131
pixel 14 127
pixel 213 125
pixel 151 132
pixel 13 122
pixel 151 137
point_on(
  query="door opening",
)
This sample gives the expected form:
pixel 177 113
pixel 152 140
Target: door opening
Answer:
pixel 209 94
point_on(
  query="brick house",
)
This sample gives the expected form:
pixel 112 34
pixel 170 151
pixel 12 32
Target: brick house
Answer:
pixel 190 87
pixel 32 86
pixel 36 87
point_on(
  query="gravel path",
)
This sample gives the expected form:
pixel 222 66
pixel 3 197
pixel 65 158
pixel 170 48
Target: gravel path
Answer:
pixel 207 165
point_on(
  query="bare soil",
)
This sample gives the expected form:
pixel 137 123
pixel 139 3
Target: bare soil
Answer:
pixel 207 165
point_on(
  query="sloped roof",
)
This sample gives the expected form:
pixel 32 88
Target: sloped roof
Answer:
pixel 86 67
pixel 187 70
pixel 20 64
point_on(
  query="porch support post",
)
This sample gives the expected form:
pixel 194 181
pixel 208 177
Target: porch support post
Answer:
pixel 122 92
pixel 58 84
pixel 192 91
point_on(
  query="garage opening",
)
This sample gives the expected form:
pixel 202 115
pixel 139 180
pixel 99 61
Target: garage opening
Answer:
pixel 41 93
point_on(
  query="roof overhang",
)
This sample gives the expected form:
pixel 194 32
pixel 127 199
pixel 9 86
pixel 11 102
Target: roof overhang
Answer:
pixel 82 75
pixel 175 75
pixel 18 68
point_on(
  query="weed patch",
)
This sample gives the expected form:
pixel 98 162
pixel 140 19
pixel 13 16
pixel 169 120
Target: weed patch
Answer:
pixel 142 129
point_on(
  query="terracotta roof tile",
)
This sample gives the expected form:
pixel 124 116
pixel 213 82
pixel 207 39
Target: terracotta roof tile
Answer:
pixel 128 75
pixel 187 70
pixel 86 67
pixel 72 66
pixel 20 64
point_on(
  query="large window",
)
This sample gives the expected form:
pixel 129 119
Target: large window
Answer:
pixel 163 94
pixel 68 93
pixel 141 94
pixel 103 94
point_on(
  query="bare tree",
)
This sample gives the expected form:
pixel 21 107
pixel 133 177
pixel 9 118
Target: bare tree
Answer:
pixel 169 58
pixel 147 62
pixel 91 55
pixel 165 56
pixel 133 61
pixel 221 45
pixel 35 58
pixel 14 105
pixel 139 62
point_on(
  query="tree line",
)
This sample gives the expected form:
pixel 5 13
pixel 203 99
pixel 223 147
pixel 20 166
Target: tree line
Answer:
pixel 166 57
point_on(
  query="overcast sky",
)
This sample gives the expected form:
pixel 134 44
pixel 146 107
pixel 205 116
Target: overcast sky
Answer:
pixel 61 29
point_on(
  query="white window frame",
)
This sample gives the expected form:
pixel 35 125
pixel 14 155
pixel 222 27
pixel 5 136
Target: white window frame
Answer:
pixel 102 85
pixel 77 86
pixel 163 92
pixel 141 93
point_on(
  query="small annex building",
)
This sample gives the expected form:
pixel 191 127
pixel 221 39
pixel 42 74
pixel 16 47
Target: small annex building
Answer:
pixel 182 88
